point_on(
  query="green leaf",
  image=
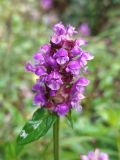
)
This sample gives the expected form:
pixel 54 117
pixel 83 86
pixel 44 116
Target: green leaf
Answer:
pixel 36 128
pixel 40 113
pixel 69 118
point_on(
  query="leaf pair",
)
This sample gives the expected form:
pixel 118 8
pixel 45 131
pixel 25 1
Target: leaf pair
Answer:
pixel 37 127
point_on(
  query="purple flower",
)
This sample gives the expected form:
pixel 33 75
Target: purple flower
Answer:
pixel 39 87
pixel 92 154
pixel 51 62
pixel 39 58
pixel 54 80
pixel 39 99
pixel 85 29
pixel 84 157
pixel 75 98
pixel 71 30
pixel 73 67
pixel 59 29
pixel 95 155
pixel 40 71
pixel 59 66
pixel 46 4
pixel 103 156
pixel 82 81
pixel 56 40
pixel 29 67
pixel 45 48
pixel 81 42
pixel 61 109
pixel 61 56
pixel 76 51
pixel 87 55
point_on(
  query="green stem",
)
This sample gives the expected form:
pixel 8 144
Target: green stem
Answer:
pixel 56 139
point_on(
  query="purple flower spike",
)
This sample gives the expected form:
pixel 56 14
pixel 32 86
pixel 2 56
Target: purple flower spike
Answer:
pixel 61 109
pixel 59 67
pixel 61 56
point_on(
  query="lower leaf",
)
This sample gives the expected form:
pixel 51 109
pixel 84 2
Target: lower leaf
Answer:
pixel 34 129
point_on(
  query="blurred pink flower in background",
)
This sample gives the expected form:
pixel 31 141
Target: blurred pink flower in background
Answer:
pixel 85 29
pixel 95 155
pixel 46 4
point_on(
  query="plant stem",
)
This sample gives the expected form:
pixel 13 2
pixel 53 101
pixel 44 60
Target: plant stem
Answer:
pixel 118 141
pixel 56 139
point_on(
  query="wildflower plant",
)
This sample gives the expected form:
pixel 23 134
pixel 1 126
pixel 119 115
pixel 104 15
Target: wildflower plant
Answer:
pixel 60 67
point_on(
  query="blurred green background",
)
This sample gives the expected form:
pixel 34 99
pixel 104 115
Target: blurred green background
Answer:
pixel 24 26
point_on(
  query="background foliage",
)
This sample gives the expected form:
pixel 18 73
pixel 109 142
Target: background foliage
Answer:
pixel 24 26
